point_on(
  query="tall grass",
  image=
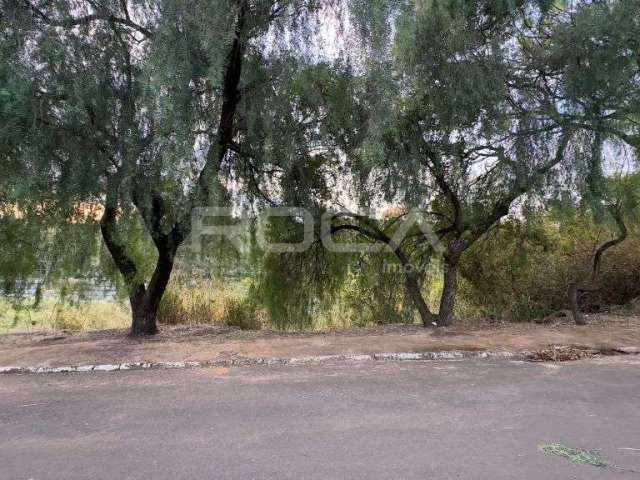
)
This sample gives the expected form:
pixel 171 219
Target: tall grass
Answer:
pixel 207 302
pixel 56 315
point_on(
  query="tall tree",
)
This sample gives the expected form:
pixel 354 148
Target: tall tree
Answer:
pixel 467 132
pixel 134 106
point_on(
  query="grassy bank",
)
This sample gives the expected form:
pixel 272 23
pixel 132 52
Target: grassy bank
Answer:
pixel 54 315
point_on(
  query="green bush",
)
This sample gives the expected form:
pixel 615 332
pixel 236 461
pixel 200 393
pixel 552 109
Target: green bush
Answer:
pixel 522 269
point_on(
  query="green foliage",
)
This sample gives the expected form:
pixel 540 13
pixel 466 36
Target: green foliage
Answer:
pixel 297 287
pixel 349 291
pixel 372 293
pixel 598 67
pixel 40 248
pixel 522 269
pixel 322 289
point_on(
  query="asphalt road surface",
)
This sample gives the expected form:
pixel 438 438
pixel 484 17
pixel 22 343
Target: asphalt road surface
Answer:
pixel 476 419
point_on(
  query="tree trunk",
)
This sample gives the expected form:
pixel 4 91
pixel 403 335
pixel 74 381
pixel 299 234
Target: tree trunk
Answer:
pixel 574 302
pixel 415 293
pixel 146 302
pixel 144 316
pixel 448 298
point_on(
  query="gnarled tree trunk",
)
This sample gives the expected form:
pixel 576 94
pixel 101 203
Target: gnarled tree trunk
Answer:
pixel 574 290
pixel 414 292
pixel 449 292
pixel 144 318
pixel 167 232
pixel 145 302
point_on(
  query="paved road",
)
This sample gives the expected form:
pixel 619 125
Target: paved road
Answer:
pixel 449 420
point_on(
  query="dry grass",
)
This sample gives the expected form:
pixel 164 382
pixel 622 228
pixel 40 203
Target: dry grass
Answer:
pixel 203 304
pixel 566 353
pixel 53 315
pixel 206 304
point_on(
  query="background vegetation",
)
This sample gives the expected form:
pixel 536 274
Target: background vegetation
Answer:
pixel 519 272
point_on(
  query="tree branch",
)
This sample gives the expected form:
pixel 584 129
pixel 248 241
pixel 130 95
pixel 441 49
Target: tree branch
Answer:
pixel 87 19
pixel 616 213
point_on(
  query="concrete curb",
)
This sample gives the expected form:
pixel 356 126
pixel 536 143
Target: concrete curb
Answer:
pixel 310 360
pixel 248 361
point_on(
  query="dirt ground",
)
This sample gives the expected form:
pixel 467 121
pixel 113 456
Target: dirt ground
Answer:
pixel 212 343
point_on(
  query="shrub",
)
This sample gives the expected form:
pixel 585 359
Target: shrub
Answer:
pixel 522 269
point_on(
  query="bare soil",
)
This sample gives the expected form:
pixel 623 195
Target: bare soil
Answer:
pixel 605 332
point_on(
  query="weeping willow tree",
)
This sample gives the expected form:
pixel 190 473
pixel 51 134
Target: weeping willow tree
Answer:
pixel 297 152
pixel 293 142
pixel 470 107
pixel 461 130
pixel 37 246
pixel 564 84
pixel 134 106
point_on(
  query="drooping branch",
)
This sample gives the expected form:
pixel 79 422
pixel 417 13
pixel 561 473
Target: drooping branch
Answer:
pixel 412 280
pixel 88 19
